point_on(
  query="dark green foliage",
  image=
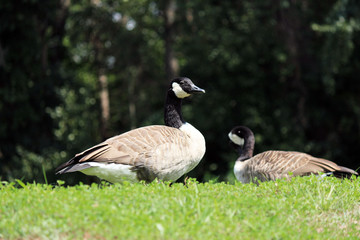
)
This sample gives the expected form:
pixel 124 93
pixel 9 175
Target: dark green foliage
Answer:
pixel 30 63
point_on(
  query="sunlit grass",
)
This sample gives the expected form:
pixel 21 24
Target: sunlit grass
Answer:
pixel 304 208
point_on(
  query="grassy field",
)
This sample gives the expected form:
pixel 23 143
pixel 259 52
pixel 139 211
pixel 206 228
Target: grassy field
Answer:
pixel 303 208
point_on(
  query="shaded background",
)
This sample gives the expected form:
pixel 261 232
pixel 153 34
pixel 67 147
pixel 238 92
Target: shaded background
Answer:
pixel 76 72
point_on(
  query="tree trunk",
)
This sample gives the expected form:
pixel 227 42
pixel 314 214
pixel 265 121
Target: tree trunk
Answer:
pixel 290 28
pixel 2 58
pixel 134 74
pixel 105 104
pixel 171 62
pixel 102 80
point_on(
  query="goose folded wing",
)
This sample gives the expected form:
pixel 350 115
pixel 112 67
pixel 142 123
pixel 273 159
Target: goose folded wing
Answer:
pixel 277 164
pixel 302 164
pixel 133 148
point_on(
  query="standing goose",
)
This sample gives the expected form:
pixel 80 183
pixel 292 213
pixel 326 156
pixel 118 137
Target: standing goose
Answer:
pixel 272 165
pixel 143 154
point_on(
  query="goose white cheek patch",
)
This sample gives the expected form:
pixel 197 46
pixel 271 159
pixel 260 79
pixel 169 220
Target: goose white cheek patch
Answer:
pixel 179 92
pixel 236 139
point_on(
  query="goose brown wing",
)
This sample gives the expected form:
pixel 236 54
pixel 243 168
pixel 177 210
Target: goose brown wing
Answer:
pixel 134 148
pixel 276 164
pixel 145 144
pixel 309 164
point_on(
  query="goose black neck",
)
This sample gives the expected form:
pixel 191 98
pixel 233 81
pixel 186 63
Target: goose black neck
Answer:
pixel 247 150
pixel 173 115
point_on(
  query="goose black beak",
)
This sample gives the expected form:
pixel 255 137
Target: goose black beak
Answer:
pixel 196 89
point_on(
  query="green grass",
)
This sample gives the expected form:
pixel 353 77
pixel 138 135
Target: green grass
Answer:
pixel 303 208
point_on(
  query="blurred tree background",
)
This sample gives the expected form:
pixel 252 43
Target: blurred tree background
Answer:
pixel 74 72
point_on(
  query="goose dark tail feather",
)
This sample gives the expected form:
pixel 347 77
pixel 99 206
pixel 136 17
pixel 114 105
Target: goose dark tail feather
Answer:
pixel 72 165
pixel 67 166
pixel 345 172
pixel 72 168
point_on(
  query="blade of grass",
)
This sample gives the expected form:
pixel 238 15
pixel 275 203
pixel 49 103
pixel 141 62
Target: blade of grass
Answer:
pixel 44 173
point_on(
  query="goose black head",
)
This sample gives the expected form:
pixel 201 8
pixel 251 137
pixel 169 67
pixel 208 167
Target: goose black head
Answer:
pixel 183 87
pixel 241 136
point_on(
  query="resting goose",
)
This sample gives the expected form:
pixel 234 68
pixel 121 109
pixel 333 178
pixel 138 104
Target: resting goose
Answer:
pixel 143 154
pixel 271 165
